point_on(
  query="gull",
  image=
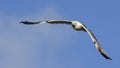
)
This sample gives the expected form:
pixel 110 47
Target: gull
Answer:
pixel 77 26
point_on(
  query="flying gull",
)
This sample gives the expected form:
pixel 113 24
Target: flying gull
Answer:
pixel 77 26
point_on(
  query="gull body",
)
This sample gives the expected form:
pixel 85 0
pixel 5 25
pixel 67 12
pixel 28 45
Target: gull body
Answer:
pixel 77 26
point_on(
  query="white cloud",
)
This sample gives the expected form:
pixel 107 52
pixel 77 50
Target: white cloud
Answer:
pixel 23 46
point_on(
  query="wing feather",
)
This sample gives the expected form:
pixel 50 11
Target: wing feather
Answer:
pixel 59 21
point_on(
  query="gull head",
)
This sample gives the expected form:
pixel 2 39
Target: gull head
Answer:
pixel 77 25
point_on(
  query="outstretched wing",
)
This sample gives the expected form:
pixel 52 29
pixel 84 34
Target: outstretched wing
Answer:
pixel 102 52
pixel 47 21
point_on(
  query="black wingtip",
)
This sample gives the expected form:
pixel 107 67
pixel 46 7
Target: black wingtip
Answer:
pixel 27 23
pixel 106 56
pixel 23 22
pixel 109 59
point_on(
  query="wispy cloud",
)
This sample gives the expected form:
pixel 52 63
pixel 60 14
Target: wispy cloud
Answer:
pixel 24 46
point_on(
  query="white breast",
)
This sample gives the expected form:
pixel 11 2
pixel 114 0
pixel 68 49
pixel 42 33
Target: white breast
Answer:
pixel 77 25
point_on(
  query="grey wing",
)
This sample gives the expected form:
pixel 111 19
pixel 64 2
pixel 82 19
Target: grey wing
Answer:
pixel 102 52
pixel 59 21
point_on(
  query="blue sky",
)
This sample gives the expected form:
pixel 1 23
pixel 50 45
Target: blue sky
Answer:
pixel 58 46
